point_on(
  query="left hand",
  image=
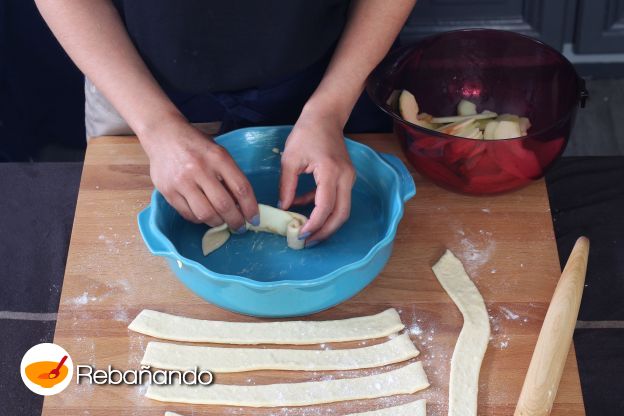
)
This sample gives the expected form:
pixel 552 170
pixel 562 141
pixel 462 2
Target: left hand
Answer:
pixel 316 145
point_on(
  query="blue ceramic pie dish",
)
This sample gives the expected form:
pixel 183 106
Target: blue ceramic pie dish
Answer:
pixel 256 273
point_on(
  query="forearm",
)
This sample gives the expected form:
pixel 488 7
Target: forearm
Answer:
pixel 93 35
pixel 372 27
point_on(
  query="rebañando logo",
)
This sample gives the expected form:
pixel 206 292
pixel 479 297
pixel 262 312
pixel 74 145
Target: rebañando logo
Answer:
pixel 47 369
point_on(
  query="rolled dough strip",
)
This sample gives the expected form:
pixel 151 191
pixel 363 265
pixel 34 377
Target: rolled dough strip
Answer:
pixel 285 223
pixel 232 360
pixel 405 380
pixel 178 328
pixel 292 235
pixel 473 338
pixel 416 408
pixel 214 238
pixel 272 220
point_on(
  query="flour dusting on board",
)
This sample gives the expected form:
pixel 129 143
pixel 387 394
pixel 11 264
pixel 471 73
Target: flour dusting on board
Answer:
pixel 501 318
pixel 509 314
pixel 475 251
pixel 422 326
pixel 97 292
pixel 415 329
pixel 82 299
pixel 121 315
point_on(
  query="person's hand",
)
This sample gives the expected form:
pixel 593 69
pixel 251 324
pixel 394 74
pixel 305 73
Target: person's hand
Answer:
pixel 198 177
pixel 316 146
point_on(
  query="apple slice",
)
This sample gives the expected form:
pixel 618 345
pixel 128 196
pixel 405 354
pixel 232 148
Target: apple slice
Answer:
pixel 425 117
pixel 523 122
pixel 453 119
pixel 483 123
pixel 475 134
pixel 490 128
pixel 525 125
pixel 470 131
pixel 466 108
pixel 508 117
pixel 408 107
pixel 454 129
pixel 507 129
pixel 424 120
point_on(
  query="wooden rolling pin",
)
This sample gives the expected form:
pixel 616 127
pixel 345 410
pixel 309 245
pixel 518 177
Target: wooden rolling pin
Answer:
pixel 544 374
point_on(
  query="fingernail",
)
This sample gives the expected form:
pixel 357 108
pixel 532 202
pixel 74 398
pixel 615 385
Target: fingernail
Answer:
pixel 305 235
pixel 279 204
pixel 255 220
pixel 241 230
pixel 311 243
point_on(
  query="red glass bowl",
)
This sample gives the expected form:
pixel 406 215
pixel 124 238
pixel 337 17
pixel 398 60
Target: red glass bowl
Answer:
pixel 500 71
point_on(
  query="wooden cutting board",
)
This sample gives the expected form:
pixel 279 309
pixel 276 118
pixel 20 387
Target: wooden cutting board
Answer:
pixel 506 242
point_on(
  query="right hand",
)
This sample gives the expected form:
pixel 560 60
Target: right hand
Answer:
pixel 198 177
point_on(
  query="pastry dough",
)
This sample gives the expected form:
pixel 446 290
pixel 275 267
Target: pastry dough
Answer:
pixel 277 221
pixel 416 408
pixel 473 338
pixel 405 380
pixel 214 238
pixel 178 328
pixel 272 220
pixel 231 360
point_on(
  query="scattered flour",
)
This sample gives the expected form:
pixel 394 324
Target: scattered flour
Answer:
pixel 121 315
pixel 415 329
pixel 82 299
pixel 99 292
pixel 509 314
pixel 110 243
pixel 503 344
pixel 476 254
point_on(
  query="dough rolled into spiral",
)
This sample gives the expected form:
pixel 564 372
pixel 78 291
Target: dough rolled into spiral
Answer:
pixel 272 220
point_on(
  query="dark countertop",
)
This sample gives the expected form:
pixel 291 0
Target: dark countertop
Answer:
pixel 586 196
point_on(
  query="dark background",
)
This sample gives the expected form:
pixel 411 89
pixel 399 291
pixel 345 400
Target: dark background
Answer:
pixel 41 97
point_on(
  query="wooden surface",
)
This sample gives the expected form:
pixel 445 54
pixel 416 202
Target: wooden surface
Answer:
pixel 506 242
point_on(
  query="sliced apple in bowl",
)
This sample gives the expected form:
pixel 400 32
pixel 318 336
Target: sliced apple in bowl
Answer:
pixel 468 123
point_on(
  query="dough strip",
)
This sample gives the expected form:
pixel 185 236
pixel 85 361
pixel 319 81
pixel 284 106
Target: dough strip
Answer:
pixel 405 380
pixel 177 328
pixel 473 338
pixel 231 360
pixel 416 408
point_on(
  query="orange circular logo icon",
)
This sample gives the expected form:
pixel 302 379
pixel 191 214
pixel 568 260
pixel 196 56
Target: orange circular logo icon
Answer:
pixel 46 369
